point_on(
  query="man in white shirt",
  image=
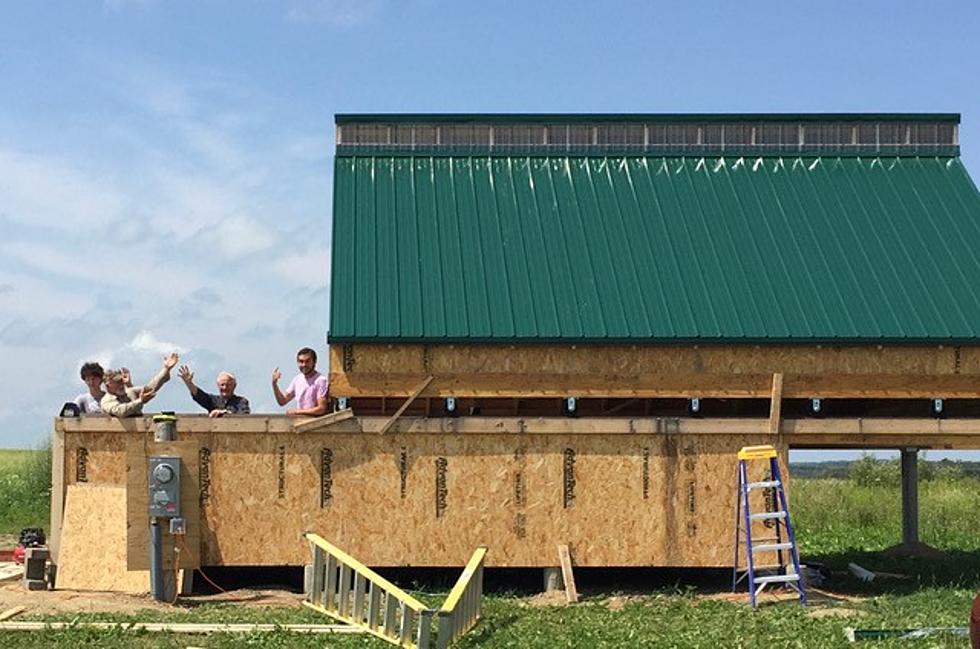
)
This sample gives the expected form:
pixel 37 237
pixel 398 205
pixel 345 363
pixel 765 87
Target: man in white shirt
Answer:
pixel 88 402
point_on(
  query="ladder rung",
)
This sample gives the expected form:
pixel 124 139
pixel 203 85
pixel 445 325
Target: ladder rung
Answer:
pixel 776 579
pixel 765 484
pixel 767 516
pixel 771 547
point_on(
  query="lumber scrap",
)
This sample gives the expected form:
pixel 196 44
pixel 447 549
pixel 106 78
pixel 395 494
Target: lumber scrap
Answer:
pixel 321 423
pixel 401 409
pixel 567 574
pixel 12 612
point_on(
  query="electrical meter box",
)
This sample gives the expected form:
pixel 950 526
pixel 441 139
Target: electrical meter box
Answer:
pixel 165 487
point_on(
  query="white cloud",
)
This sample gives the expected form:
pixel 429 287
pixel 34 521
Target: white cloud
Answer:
pixel 191 231
pixel 238 236
pixel 145 341
pixel 55 192
pixel 308 269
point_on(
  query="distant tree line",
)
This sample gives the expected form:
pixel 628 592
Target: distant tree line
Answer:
pixel 871 471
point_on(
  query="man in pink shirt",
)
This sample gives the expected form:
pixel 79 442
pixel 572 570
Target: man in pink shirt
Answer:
pixel 309 387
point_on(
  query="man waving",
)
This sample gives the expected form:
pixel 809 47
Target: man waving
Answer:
pixel 309 387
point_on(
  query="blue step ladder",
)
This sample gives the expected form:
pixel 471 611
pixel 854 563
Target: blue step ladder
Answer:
pixel 776 518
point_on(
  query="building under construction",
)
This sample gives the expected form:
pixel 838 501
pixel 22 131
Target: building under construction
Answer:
pixel 560 329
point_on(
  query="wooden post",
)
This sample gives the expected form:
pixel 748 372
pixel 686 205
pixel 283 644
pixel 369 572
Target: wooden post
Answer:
pixel 57 489
pixel 776 404
pixel 910 496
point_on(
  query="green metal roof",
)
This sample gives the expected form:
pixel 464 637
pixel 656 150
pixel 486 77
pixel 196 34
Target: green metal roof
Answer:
pixel 644 248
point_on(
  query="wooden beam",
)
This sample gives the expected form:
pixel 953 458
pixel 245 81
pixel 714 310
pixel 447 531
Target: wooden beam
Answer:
pixel 662 386
pixel 776 404
pixel 567 575
pixel 398 413
pixel 57 489
pixel 323 422
pixel 586 359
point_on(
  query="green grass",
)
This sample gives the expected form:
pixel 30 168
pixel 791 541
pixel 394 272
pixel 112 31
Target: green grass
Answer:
pixel 837 521
pixel 834 516
pixel 25 490
pixel 660 620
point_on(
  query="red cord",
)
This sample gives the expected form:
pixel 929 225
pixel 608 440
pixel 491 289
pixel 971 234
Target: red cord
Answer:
pixel 180 539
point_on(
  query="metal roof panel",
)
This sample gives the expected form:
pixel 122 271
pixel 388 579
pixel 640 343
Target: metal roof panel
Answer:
pixel 649 248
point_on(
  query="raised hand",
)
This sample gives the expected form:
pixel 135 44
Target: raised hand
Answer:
pixel 127 378
pixel 185 373
pixel 171 360
pixel 276 375
pixel 147 393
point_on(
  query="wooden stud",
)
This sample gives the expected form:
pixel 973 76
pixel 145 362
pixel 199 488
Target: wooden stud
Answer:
pixel 398 413
pixel 775 404
pixel 58 486
pixel 567 575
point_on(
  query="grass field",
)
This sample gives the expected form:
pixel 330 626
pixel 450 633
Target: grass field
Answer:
pixel 837 520
pixel 25 491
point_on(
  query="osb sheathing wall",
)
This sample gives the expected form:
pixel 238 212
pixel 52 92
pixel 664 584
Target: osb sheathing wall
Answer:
pixel 528 371
pixel 428 499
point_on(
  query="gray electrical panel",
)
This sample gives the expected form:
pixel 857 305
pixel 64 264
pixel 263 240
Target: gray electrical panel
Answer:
pixel 165 487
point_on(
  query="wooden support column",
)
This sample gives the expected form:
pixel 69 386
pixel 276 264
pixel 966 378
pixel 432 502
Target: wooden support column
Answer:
pixel 776 404
pixel 57 489
pixel 910 496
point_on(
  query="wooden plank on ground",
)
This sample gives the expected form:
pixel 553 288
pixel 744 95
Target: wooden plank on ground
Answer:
pixel 321 423
pixel 567 575
pixel 12 612
pixel 181 627
pixel 398 413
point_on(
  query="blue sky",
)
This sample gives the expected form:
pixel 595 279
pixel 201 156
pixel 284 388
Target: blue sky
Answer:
pixel 165 166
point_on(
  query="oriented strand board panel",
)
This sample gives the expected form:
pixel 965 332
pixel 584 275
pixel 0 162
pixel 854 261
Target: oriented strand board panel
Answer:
pixel 139 448
pixel 365 370
pixel 93 542
pixel 428 499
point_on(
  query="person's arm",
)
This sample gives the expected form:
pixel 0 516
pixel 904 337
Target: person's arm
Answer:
pixel 243 407
pixel 164 374
pixel 204 399
pixel 187 377
pixel 281 399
